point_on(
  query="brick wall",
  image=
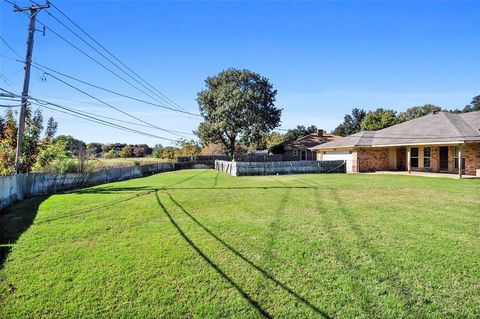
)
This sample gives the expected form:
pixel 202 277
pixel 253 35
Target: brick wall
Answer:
pixel 472 158
pixel 372 159
pixel 435 158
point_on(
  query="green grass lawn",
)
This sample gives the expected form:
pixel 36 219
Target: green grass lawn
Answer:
pixel 203 244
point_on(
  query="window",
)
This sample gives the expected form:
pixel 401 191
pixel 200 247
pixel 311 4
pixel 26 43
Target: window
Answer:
pixel 456 158
pixel 414 157
pixel 295 152
pixel 426 157
pixel 304 155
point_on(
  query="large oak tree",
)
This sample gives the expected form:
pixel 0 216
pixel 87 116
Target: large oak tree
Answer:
pixel 237 106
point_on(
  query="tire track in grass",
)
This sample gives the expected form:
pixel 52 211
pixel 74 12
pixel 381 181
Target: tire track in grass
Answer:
pixel 387 274
pixel 185 180
pixel 244 294
pixel 366 304
pixel 262 271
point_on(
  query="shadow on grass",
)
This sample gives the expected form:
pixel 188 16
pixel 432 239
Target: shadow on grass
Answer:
pixel 110 190
pixel 93 208
pixel 247 297
pixel 15 220
pixel 265 273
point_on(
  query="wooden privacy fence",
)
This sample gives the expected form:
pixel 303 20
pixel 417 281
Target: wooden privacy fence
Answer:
pixel 18 187
pixel 274 168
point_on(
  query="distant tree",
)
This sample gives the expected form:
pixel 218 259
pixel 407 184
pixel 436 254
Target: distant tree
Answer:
pixel 379 119
pixel 157 151
pixel 126 152
pixel 236 105
pixel 72 144
pixel 51 129
pixel 351 123
pixel 170 152
pixel 94 149
pixel 141 150
pixel 416 112
pixel 299 131
pixel 106 147
pixel 274 138
pixel 188 147
pixel 213 149
pixel 110 154
pixel 474 105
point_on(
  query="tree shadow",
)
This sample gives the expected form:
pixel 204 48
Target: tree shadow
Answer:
pixel 14 221
pixel 247 297
pixel 265 273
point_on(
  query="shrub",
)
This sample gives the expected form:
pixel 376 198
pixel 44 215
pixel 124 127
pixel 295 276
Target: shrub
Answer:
pixel 68 165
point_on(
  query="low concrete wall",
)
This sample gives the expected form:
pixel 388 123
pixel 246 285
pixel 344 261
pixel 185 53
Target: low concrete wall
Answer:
pixel 17 187
pixel 273 168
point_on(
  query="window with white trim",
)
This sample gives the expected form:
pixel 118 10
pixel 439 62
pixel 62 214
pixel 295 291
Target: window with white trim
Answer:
pixel 295 152
pixel 457 148
pixel 426 157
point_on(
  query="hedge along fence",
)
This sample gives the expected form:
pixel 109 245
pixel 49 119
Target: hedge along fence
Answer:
pixel 274 168
pixel 18 187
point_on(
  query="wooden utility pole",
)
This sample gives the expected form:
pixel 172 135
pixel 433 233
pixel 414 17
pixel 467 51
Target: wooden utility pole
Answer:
pixel 26 82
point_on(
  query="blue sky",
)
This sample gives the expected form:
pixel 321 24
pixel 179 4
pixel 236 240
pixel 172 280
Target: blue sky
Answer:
pixel 324 58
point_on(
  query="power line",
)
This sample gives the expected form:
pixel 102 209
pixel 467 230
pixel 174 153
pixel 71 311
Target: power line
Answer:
pixel 111 54
pixel 44 103
pixel 119 120
pixel 8 46
pixel 115 108
pixel 101 64
pixel 100 121
pixel 40 67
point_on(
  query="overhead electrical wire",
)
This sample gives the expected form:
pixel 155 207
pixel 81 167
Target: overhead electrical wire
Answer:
pixel 160 94
pixel 43 68
pixel 115 108
pixel 100 121
pixel 44 103
pixel 105 57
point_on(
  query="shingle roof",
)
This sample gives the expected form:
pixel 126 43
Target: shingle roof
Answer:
pixel 309 141
pixel 442 127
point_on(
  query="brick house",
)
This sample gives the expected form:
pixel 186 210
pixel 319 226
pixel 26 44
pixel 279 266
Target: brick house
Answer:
pixel 300 149
pixel 432 143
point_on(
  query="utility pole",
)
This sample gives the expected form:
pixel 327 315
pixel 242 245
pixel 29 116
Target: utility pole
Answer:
pixel 26 82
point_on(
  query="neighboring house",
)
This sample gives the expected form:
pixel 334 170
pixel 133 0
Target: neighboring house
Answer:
pixel 299 149
pixel 431 143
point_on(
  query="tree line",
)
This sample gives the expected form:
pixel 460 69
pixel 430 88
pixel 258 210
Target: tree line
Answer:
pixel 361 120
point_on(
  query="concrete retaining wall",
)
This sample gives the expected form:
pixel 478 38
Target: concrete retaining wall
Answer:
pixel 17 187
pixel 273 168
